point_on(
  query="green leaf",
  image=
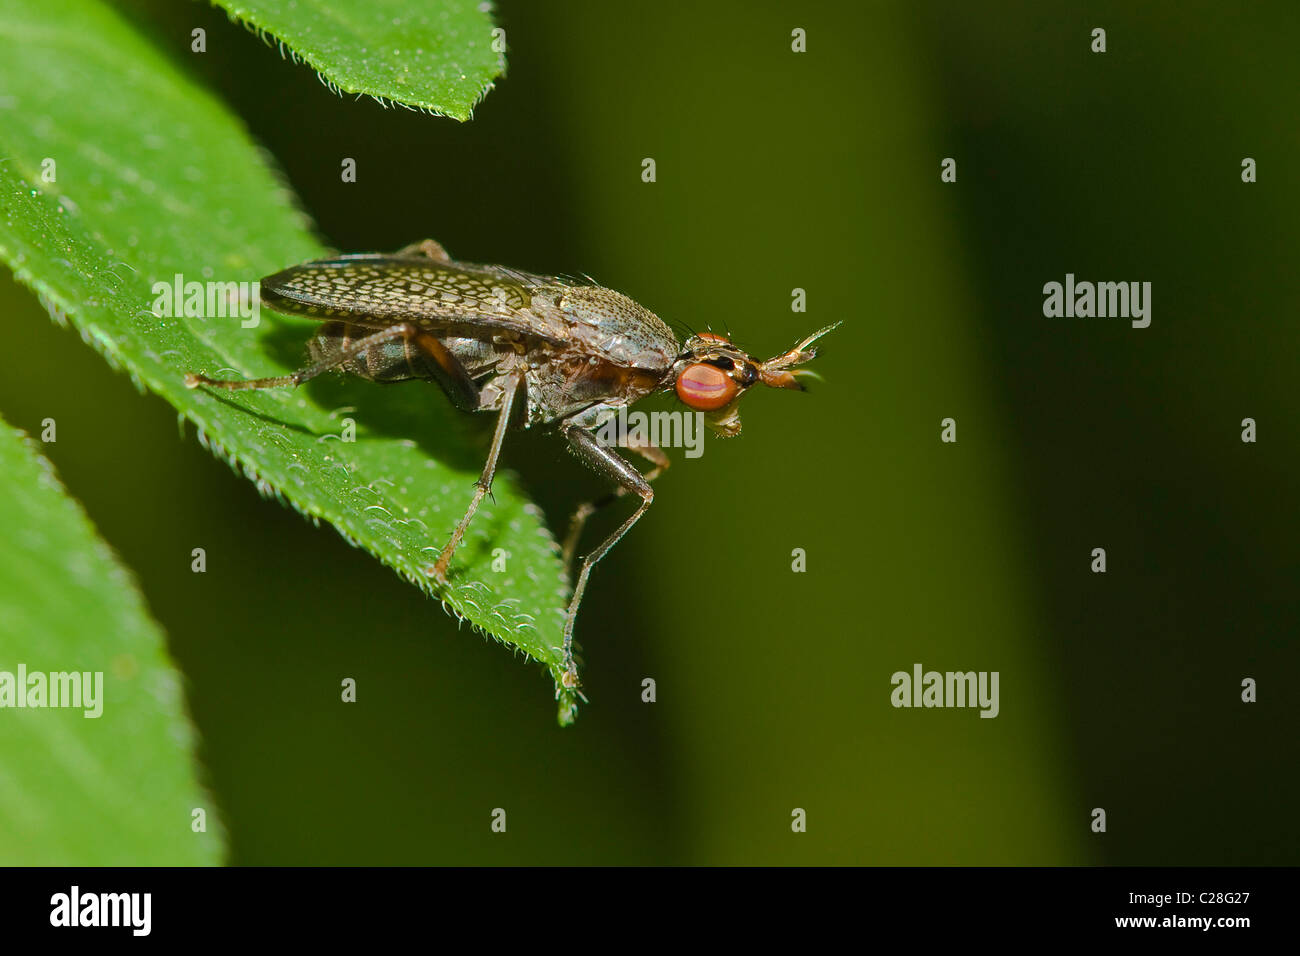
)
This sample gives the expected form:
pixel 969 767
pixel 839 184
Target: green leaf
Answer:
pixel 436 55
pixel 114 789
pixel 154 179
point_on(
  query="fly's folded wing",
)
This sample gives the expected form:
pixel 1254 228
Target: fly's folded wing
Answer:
pixel 446 298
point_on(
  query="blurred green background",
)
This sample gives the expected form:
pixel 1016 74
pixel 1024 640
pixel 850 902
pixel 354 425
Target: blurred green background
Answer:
pixel 779 170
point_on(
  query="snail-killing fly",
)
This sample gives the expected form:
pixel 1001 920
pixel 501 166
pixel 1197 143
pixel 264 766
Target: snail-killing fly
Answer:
pixel 536 350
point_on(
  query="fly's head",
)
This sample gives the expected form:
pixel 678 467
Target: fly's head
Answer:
pixel 711 375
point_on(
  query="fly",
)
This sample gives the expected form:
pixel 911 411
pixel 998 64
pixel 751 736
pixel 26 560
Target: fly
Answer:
pixel 533 349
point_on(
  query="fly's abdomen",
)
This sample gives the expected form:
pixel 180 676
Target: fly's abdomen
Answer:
pixel 453 363
pixel 392 361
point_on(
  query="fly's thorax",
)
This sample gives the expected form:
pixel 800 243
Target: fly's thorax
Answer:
pixel 610 326
pixel 563 382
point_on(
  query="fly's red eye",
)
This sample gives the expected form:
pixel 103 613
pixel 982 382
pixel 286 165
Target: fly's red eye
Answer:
pixel 705 387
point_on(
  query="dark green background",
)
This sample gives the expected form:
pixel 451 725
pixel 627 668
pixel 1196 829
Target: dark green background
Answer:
pixel 776 170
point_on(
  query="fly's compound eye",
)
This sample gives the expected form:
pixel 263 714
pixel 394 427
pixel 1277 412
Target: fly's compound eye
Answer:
pixel 705 388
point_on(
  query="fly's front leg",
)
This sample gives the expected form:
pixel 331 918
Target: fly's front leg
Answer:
pixel 484 484
pixel 606 462
pixel 652 453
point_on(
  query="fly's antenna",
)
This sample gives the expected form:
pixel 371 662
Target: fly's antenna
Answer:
pixel 802 352
pixel 776 370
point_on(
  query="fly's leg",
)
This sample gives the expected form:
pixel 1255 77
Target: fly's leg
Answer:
pixel 652 453
pixel 604 461
pixel 429 248
pixel 484 484
pixel 452 377
pixel 343 356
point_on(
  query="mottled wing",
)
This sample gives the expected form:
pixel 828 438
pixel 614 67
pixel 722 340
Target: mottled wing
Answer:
pixel 448 298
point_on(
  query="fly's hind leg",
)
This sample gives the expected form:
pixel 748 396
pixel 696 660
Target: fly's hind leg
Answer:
pixel 403 330
pixel 606 462
pixel 423 356
pixel 653 454
pixel 439 364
